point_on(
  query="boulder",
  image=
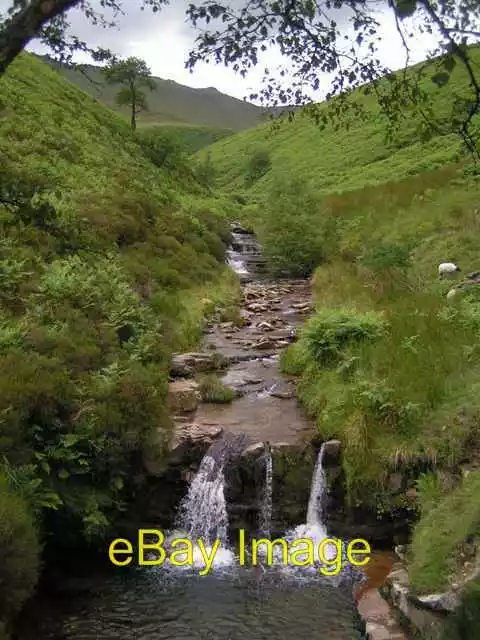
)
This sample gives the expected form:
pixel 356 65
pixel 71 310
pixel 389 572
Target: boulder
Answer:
pixel 332 451
pixel 443 602
pixel 187 436
pixel 187 364
pixel 302 306
pixel 183 396
pixel 265 343
pixel 254 450
pixel 283 392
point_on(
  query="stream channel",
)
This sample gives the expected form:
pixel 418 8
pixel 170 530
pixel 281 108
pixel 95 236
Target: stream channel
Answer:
pixel 232 602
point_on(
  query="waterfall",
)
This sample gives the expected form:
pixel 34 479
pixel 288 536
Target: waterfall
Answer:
pixel 244 255
pixel 314 527
pixel 317 493
pixel 266 509
pixel 203 511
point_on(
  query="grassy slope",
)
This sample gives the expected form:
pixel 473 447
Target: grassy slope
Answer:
pixel 172 103
pixel 107 265
pixel 338 160
pixel 380 219
pixel 191 138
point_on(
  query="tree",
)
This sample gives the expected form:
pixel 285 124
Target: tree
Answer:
pixel 46 19
pixel 313 39
pixel 257 166
pixel 133 74
pixel 311 36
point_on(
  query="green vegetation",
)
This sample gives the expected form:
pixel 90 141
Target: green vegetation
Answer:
pixel 110 260
pixel 386 364
pixel 213 390
pixel 134 75
pixel 190 138
pixel 170 103
pixel 336 159
pixel 464 624
pixel 19 553
pixel 442 537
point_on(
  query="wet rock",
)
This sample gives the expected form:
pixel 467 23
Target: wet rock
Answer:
pixel 236 227
pixel 245 318
pixel 302 306
pixel 265 326
pixel 186 436
pixel 401 551
pixel 253 450
pixel 264 343
pixel 427 623
pixel 283 392
pixel 332 452
pixel 277 447
pixel 183 396
pixel 378 617
pixel 443 602
pixel 187 364
pixel 257 307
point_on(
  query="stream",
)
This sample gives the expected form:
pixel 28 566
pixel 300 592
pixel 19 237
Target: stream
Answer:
pixel 232 602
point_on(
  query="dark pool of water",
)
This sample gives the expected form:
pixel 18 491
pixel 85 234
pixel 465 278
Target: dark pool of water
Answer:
pixel 152 604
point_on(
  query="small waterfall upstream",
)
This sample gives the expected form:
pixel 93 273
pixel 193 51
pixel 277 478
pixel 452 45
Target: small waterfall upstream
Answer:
pixel 244 255
pixel 317 493
pixel 266 508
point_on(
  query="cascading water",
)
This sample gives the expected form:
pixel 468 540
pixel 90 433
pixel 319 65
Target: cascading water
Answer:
pixel 203 511
pixel 314 528
pixel 244 255
pixel 317 493
pixel 266 509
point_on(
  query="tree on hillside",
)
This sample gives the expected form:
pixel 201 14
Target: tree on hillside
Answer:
pixel 133 74
pixel 339 38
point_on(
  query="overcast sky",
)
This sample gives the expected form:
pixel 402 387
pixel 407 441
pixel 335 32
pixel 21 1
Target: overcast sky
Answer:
pixel 165 39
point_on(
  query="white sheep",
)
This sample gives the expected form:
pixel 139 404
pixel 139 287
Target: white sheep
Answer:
pixel 453 293
pixel 447 268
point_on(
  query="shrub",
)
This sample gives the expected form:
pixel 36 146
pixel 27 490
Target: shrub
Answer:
pixel 19 553
pixel 291 235
pixel 213 390
pixel 386 256
pixel 205 171
pixel 436 548
pixel 257 166
pixel 330 331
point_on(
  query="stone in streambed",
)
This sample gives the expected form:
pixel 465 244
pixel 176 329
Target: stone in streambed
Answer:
pixel 183 396
pixel 187 364
pixel 253 450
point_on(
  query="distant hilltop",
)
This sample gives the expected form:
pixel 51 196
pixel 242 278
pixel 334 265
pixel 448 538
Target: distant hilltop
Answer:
pixel 171 102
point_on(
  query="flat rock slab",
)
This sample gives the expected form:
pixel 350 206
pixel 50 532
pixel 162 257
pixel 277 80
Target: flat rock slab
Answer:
pixel 183 396
pixel 187 364
pixel 378 617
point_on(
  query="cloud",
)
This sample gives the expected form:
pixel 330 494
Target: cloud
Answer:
pixel 165 39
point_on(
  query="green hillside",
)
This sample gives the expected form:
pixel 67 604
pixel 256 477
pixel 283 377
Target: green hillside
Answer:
pixel 108 263
pixel 191 138
pixel 386 364
pixel 170 102
pixel 337 160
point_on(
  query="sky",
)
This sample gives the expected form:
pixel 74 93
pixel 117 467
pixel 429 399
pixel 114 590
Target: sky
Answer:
pixel 164 40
